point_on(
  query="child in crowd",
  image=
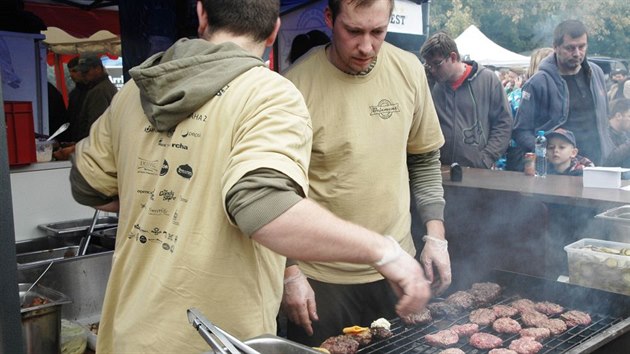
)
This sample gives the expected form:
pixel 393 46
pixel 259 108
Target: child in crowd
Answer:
pixel 562 154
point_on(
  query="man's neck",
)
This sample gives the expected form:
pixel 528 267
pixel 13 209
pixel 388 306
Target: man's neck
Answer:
pixel 569 71
pixel 461 70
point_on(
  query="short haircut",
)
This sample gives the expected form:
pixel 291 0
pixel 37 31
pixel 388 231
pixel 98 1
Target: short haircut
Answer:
pixel 335 5
pixel 620 105
pixel 253 18
pixel 572 28
pixel 72 63
pixel 439 44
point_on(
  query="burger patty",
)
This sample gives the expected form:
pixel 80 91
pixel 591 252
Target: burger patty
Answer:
pixel 380 332
pixel 555 325
pixel 549 308
pixel 525 345
pixel 482 317
pixel 461 299
pixel 443 338
pixel 483 340
pixel 506 325
pixel 485 293
pixel 419 318
pixel 576 318
pixel 523 305
pixel 502 351
pixel 504 311
pixel 538 333
pixel 533 318
pixel 342 344
pixel 465 330
pixel 444 309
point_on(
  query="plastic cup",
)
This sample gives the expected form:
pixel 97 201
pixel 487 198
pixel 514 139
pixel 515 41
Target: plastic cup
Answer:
pixel 44 150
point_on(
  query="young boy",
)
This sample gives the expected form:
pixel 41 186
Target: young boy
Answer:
pixel 562 154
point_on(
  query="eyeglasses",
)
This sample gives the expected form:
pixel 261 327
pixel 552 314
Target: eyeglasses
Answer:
pixel 434 66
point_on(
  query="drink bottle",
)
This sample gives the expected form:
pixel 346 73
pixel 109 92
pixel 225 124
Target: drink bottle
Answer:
pixel 541 154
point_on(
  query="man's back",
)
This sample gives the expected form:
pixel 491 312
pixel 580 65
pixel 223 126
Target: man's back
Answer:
pixel 174 236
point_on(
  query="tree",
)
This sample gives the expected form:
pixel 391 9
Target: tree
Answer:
pixel 522 26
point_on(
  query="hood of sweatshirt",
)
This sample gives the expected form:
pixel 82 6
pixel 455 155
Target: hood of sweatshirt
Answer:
pixel 175 83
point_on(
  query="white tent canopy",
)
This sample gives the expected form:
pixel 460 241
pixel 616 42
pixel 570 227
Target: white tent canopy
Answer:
pixel 474 45
pixel 61 42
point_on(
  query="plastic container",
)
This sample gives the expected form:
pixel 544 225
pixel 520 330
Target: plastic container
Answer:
pixel 600 264
pixel 603 177
pixel 73 337
pixel 44 150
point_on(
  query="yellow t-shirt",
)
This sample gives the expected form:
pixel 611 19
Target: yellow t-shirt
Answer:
pixel 176 247
pixel 363 128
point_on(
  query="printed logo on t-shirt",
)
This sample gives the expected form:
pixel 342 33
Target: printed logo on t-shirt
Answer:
pixel 149 167
pixel 185 171
pixel 384 109
pixel 164 169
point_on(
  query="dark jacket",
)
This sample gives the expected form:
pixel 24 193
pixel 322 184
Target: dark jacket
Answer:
pixel 576 168
pixel 97 98
pixel 620 156
pixel 476 119
pixel 545 105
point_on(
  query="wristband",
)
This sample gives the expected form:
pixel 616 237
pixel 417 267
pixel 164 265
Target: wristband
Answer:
pixel 390 255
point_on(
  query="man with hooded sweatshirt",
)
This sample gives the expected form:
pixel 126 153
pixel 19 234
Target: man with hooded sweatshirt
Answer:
pixel 474 113
pixel 567 92
pixel 204 154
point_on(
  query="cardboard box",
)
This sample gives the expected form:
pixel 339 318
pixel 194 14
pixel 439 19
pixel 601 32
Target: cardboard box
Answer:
pixel 600 264
pixel 603 177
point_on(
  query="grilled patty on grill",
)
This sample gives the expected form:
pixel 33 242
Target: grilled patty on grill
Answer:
pixel 419 318
pixel 485 293
pixel 502 351
pixel 483 340
pixel 538 333
pixel 482 317
pixel 443 338
pixel 549 308
pixel 342 344
pixel 575 318
pixel 461 299
pixel 523 305
pixel 533 318
pixel 506 325
pixel 555 325
pixel 504 311
pixel 525 345
pixel 465 330
pixel 452 351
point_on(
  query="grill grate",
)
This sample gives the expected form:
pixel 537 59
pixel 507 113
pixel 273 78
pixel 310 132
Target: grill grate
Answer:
pixel 410 339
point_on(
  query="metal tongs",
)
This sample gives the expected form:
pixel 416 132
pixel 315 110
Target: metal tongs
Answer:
pixel 220 341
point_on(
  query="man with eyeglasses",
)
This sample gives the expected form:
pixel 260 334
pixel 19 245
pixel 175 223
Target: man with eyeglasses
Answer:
pixel 471 104
pixel 568 91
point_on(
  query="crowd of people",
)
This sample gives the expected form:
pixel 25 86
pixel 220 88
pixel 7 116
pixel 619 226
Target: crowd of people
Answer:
pixel 242 191
pixel 562 93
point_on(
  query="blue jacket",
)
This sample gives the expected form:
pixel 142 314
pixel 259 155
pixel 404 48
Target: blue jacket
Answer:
pixel 545 105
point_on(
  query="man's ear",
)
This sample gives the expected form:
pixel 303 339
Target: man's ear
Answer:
pixel 202 16
pixel 272 37
pixel 328 17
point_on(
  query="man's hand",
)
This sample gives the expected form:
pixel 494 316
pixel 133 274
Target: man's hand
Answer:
pixel 435 254
pixel 407 279
pixel 298 299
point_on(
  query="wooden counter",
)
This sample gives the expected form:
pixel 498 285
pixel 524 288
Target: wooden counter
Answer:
pixel 552 188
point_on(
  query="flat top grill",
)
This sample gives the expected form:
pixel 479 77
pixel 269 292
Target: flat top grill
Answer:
pixel 605 325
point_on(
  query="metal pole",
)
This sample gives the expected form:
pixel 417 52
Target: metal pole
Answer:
pixel 426 7
pixel 10 317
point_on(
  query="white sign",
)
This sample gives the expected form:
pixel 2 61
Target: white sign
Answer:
pixel 406 18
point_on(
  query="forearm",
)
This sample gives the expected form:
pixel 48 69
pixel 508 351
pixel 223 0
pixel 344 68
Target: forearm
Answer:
pixel 425 178
pixel 309 232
